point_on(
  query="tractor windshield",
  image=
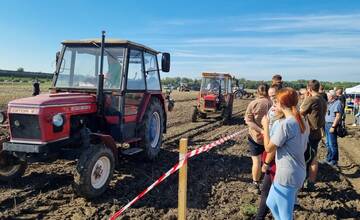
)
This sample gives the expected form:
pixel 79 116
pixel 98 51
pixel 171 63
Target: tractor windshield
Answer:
pixel 80 67
pixel 213 85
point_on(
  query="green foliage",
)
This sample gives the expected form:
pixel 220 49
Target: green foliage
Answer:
pixel 20 69
pixel 248 209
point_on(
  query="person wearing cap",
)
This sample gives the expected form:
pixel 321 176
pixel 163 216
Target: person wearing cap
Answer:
pixel 332 120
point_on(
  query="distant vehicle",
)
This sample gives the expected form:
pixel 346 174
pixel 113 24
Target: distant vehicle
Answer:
pixel 240 92
pixel 215 97
pixel 184 87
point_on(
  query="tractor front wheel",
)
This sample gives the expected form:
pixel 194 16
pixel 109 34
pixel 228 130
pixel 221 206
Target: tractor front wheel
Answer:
pixel 94 171
pixel 11 167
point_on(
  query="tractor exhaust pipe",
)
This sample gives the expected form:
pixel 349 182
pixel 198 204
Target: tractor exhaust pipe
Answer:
pixel 100 88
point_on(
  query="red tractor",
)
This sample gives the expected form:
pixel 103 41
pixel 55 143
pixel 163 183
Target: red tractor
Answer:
pixel 216 97
pixel 105 96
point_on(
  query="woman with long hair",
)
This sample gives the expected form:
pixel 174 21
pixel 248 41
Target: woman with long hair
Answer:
pixel 255 111
pixel 289 138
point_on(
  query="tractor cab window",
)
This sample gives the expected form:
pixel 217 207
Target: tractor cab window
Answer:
pixel 81 65
pixel 213 85
pixel 135 77
pixel 229 86
pixel 151 71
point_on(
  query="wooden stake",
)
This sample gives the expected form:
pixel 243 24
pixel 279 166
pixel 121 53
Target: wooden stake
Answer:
pixel 182 181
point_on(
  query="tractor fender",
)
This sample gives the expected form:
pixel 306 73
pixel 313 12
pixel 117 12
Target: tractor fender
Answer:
pixel 107 140
pixel 146 102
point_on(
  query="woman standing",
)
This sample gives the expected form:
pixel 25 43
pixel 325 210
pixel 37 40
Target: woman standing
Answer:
pixel 255 111
pixel 288 139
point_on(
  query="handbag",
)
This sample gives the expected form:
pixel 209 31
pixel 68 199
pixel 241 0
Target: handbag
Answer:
pixel 341 129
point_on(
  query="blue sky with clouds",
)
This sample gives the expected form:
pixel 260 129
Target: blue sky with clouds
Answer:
pixel 252 39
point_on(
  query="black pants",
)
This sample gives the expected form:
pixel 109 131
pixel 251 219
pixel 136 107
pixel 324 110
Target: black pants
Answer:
pixel 263 209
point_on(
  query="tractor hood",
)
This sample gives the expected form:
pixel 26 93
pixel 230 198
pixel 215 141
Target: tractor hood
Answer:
pixel 210 97
pixel 55 99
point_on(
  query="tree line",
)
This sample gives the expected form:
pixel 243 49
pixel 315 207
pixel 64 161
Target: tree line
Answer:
pixel 253 84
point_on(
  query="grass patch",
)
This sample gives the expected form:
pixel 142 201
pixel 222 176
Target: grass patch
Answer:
pixel 248 209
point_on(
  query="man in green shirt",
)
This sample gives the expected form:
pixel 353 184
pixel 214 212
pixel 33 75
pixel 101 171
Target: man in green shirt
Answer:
pixel 313 109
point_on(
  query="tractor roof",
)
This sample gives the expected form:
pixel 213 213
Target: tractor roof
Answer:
pixel 221 75
pixel 108 42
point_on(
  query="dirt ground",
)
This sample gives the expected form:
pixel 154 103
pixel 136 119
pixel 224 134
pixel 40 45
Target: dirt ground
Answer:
pixel 217 181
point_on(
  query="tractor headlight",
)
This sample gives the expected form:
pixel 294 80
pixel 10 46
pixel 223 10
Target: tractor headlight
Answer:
pixel 2 117
pixel 58 120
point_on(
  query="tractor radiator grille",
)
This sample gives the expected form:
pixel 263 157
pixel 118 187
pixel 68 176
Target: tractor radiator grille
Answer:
pixel 210 104
pixel 24 126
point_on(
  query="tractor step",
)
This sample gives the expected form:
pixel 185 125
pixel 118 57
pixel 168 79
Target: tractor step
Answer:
pixel 132 151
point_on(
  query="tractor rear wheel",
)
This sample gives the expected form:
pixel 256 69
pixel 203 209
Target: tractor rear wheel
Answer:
pixel 11 167
pixel 94 171
pixel 227 114
pixel 152 129
pixel 194 114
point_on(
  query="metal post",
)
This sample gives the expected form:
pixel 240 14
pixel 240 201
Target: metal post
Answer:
pixel 100 89
pixel 182 181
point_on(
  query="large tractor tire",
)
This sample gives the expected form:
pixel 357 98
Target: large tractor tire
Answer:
pixel 194 115
pixel 11 168
pixel 94 171
pixel 152 129
pixel 227 115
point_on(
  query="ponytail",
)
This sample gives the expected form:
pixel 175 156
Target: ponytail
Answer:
pixel 288 98
pixel 298 118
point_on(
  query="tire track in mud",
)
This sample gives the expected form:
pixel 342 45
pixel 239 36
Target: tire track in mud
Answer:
pixel 211 125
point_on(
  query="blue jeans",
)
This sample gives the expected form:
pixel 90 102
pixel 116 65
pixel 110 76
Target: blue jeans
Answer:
pixel 281 200
pixel 331 145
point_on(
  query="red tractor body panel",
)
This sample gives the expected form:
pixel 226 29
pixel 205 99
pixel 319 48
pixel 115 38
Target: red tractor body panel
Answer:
pixel 42 108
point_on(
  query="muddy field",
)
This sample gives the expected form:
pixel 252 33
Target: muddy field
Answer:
pixel 217 181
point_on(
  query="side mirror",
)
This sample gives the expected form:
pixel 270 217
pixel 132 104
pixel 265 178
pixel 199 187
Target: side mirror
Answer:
pixel 57 56
pixel 165 62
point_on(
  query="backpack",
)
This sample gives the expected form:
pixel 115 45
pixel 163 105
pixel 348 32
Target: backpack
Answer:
pixel 341 129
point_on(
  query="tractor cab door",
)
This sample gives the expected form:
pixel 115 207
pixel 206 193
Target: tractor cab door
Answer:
pixel 134 92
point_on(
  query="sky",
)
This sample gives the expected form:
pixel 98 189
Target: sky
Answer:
pixel 251 39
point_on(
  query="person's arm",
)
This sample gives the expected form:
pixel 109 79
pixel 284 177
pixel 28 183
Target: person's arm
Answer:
pixel 336 122
pixel 269 147
pixel 250 121
pixel 338 114
pixel 305 107
pixel 268 158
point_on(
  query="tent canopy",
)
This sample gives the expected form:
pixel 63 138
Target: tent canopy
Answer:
pixel 353 90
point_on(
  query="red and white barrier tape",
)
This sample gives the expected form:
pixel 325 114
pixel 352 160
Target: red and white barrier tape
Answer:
pixel 177 166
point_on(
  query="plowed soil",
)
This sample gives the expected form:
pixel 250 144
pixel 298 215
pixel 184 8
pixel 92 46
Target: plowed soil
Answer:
pixel 217 181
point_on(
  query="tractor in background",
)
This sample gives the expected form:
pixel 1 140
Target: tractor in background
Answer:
pixel 215 97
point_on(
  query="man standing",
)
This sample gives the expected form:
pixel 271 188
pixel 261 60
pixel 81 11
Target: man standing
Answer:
pixel 314 109
pixel 332 120
pixel 341 97
pixel 277 81
pixel 323 93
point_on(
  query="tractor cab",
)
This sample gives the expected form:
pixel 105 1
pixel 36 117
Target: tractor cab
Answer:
pixel 106 95
pixel 215 96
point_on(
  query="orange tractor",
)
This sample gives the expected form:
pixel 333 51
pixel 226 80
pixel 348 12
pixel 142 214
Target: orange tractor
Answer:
pixel 216 97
